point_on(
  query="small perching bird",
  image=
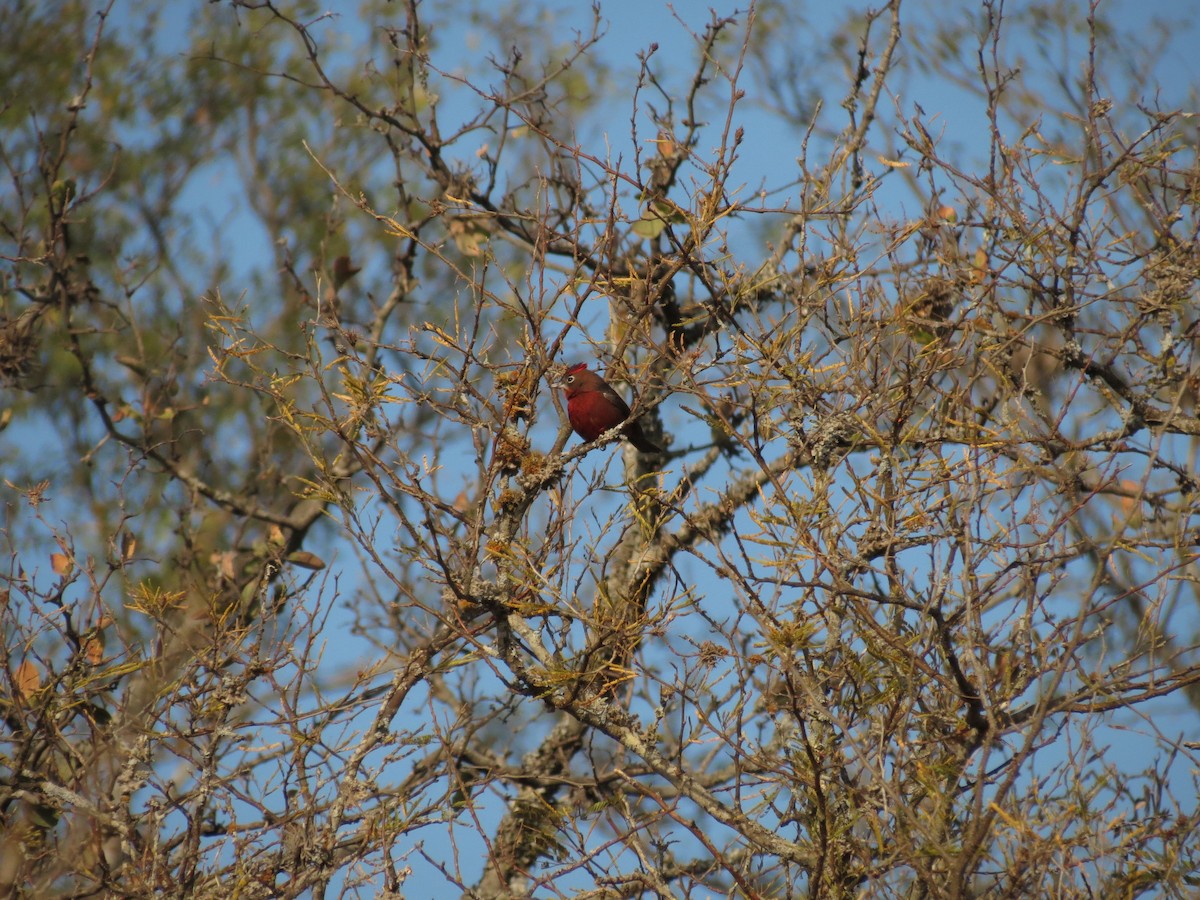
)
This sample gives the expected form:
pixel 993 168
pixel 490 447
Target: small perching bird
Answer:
pixel 594 407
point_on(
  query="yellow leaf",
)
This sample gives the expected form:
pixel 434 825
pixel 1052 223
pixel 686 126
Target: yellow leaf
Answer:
pixel 61 563
pixel 648 228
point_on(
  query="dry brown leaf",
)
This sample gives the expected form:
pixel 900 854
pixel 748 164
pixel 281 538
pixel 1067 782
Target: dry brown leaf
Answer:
pixel 27 679
pixel 979 266
pixel 306 560
pixel 92 647
pixel 224 562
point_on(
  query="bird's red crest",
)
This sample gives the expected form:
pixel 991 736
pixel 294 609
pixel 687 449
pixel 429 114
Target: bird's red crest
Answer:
pixel 578 367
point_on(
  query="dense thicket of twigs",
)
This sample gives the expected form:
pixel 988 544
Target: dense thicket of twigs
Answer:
pixel 308 591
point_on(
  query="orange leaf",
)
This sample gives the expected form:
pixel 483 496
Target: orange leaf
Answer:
pixel 92 646
pixel 979 266
pixel 61 563
pixel 27 679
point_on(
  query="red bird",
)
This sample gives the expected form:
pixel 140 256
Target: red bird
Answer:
pixel 593 408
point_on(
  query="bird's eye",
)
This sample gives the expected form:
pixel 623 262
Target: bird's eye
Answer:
pixel 570 379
